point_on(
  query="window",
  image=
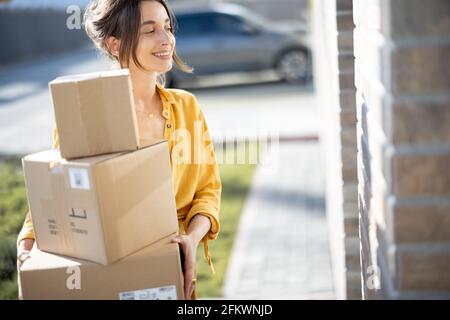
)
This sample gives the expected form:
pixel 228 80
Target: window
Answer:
pixel 192 25
pixel 202 24
pixel 228 24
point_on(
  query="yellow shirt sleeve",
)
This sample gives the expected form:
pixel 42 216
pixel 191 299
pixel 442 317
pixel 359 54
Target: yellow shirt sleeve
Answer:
pixel 209 187
pixel 208 191
pixel 27 231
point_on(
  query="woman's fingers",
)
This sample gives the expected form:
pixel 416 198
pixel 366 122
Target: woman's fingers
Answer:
pixel 22 256
pixel 23 251
pixel 189 271
pixel 188 282
pixel 177 239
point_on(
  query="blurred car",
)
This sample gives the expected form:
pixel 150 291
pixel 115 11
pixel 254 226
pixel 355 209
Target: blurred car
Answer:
pixel 218 38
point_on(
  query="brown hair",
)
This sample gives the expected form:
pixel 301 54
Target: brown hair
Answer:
pixel 121 19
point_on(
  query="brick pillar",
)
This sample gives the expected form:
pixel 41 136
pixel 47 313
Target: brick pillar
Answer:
pixel 402 75
pixel 334 80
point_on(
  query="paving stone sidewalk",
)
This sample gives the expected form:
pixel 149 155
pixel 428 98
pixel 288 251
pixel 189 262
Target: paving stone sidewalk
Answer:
pixel 281 250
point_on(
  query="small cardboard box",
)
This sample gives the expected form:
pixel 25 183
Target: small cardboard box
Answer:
pixel 153 273
pixel 94 113
pixel 101 208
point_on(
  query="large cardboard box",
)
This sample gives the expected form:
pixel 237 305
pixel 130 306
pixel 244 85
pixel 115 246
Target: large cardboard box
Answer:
pixel 152 273
pixel 94 113
pixel 101 208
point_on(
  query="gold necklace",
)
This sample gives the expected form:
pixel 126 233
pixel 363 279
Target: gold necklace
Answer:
pixel 147 114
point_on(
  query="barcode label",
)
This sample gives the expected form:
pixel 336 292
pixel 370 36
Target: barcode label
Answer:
pixel 161 293
pixel 79 178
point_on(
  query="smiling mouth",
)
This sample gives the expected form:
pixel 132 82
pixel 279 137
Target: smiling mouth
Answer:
pixel 162 54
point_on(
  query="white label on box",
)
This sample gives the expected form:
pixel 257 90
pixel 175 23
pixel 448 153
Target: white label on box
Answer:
pixel 79 178
pixel 161 293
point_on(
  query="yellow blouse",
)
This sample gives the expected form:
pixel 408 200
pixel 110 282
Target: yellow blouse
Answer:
pixel 195 175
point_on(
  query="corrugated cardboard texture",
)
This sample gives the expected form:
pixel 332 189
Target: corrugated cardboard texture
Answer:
pixel 101 208
pixel 50 276
pixel 125 207
pixel 94 113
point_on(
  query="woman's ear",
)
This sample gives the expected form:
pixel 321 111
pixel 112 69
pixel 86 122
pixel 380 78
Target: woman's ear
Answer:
pixel 113 45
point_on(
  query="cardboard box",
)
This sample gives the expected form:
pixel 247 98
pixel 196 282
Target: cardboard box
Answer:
pixel 101 208
pixel 95 113
pixel 153 273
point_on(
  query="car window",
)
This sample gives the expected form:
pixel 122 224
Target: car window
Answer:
pixel 257 20
pixel 227 24
pixel 191 25
pixel 213 23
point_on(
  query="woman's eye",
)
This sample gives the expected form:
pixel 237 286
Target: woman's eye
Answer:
pixel 152 31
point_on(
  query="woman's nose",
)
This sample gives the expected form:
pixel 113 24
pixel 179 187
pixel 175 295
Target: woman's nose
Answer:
pixel 164 37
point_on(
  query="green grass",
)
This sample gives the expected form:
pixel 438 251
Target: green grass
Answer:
pixel 236 181
pixel 13 207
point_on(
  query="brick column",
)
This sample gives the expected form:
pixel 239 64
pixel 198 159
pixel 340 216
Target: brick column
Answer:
pixel 402 75
pixel 334 79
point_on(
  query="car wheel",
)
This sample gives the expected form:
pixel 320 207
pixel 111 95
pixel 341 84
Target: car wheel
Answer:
pixel 292 66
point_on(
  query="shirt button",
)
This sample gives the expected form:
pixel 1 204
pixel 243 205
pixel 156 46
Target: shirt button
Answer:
pixel 169 125
pixel 166 113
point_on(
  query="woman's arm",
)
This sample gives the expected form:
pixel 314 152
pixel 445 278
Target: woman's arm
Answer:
pixel 198 228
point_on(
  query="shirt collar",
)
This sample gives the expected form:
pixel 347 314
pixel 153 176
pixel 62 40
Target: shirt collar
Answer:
pixel 165 94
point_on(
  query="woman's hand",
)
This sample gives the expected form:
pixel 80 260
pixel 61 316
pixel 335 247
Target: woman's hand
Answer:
pixel 198 227
pixel 23 251
pixel 189 249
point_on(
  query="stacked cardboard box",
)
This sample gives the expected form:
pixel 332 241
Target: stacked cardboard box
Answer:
pixel 153 273
pixel 94 113
pixel 102 204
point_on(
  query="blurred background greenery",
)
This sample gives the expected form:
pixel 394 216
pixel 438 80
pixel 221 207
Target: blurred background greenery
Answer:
pixel 13 206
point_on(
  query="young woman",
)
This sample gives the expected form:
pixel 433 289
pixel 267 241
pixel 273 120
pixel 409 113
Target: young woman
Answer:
pixel 138 35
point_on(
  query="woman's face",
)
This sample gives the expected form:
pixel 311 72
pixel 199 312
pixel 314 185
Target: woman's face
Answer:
pixel 156 41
